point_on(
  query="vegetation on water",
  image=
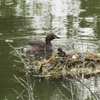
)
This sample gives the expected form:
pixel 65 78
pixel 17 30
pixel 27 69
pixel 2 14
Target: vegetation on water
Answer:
pixel 73 65
pixel 61 64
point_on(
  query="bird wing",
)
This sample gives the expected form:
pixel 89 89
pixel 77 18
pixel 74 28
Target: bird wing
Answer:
pixel 34 43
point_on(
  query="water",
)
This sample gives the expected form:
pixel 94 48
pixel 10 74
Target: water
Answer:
pixel 77 22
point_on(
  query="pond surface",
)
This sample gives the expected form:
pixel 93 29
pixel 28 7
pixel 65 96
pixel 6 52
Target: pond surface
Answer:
pixel 77 22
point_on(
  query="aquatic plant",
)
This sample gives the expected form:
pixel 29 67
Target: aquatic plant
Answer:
pixel 79 64
pixel 71 68
pixel 28 86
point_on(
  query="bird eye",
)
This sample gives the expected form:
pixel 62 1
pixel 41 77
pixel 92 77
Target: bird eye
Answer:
pixel 54 36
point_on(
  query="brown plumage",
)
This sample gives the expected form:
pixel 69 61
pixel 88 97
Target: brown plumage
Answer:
pixel 38 46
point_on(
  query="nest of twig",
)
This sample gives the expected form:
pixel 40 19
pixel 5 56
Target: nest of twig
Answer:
pixel 77 64
pixel 61 64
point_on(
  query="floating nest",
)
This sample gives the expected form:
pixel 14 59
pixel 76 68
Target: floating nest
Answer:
pixel 61 64
pixel 66 65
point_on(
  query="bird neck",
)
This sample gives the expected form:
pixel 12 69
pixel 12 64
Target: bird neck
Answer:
pixel 48 42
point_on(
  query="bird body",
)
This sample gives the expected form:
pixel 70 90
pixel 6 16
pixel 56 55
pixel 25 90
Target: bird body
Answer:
pixel 38 46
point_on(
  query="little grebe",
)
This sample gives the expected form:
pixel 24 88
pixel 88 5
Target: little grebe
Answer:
pixel 38 46
pixel 61 53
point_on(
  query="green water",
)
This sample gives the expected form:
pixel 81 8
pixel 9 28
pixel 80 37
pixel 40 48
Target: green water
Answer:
pixel 77 22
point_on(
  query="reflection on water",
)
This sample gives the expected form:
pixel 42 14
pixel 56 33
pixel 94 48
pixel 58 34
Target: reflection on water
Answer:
pixel 92 84
pixel 77 22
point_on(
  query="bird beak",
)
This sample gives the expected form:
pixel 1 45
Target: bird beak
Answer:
pixel 57 37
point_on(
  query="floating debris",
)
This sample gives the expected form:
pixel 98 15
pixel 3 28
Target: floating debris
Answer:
pixel 9 41
pixel 1 33
pixel 69 64
pixel 77 64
